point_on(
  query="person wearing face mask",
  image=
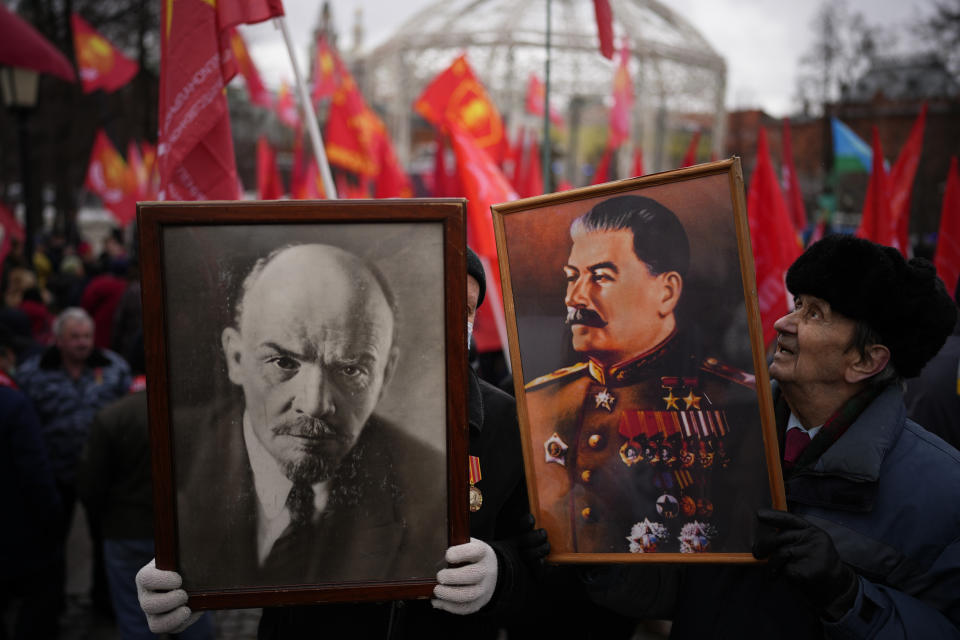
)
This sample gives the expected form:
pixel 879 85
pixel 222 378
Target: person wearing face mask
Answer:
pixel 489 580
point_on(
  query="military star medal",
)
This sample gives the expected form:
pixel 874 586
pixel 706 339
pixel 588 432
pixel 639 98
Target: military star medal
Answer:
pixel 605 399
pixel 672 400
pixel 692 400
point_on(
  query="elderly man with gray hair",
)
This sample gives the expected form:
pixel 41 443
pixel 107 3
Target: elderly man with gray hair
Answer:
pixel 68 383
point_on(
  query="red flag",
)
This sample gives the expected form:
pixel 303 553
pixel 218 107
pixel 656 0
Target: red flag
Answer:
pixel 638 162
pixel 690 157
pixel 622 101
pixel 352 131
pixel 298 172
pixel 901 180
pixel 518 159
pixel 195 149
pixel 269 184
pixel 877 221
pixel 314 183
pixel 109 177
pixel 601 8
pixel 101 65
pixel 287 107
pixel 233 12
pixel 442 181
pixel 603 167
pixel 483 185
pixel 149 154
pixel 536 95
pixel 456 97
pixel 774 240
pixel 138 169
pixel 791 188
pixel 392 181
pixel 531 180
pixel 255 90
pixel 328 70
pixel 947 256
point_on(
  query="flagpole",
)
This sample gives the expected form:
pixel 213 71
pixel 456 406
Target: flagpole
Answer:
pixel 545 147
pixel 309 115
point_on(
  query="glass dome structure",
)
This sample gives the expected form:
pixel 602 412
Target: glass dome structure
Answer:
pixel 679 80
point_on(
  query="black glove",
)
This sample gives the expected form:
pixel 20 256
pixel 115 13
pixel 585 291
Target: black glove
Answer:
pixel 532 544
pixel 804 554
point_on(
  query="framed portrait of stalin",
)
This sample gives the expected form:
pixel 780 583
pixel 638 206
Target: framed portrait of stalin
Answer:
pixel 306 375
pixel 639 368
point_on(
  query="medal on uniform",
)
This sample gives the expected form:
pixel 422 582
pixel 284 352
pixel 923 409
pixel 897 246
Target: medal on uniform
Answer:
pixel 631 426
pixel 555 450
pixel 476 496
pixel 604 399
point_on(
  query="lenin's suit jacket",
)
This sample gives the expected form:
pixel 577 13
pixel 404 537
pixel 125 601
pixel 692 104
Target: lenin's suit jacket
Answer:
pixel 385 518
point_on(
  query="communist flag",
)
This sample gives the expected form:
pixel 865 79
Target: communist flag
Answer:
pixel 195 148
pixel 536 96
pixel 602 174
pixel 392 180
pixel 901 180
pixel 773 238
pixel 877 221
pixel 622 101
pixel 269 184
pixel 456 97
pixel 328 70
pixel 483 185
pixel 287 107
pixel 149 154
pixel 109 177
pixel 255 90
pixel 690 157
pixel 947 256
pixel 101 65
pixel 531 177
pixel 638 162
pixel 791 187
pixel 352 131
pixel 604 15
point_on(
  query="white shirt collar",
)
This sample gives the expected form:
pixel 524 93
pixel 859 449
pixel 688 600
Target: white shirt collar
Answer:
pixel 794 423
pixel 272 487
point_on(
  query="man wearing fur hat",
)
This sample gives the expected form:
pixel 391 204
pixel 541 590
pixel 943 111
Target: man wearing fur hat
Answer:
pixel 870 547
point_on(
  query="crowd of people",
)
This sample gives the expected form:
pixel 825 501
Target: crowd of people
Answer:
pixel 868 547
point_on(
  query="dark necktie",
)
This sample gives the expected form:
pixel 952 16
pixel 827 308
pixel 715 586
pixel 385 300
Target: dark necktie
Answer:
pixel 288 552
pixel 796 441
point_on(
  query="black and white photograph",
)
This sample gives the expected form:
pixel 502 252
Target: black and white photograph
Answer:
pixel 307 413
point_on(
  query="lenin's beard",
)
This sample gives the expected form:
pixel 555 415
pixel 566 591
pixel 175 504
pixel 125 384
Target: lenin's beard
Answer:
pixel 322 446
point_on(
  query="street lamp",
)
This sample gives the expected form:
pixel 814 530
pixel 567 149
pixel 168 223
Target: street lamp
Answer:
pixel 19 88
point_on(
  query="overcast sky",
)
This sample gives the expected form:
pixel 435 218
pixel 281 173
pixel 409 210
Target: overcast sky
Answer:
pixel 761 40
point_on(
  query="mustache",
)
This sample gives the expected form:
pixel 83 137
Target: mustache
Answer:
pixel 307 427
pixel 584 316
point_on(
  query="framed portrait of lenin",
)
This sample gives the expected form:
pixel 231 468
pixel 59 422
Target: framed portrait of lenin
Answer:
pixel 639 369
pixel 306 379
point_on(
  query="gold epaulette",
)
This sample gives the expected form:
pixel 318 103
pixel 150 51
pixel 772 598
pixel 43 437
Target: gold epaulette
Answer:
pixel 725 371
pixel 559 374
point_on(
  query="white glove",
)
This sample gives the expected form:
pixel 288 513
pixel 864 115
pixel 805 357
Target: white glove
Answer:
pixel 466 589
pixel 163 601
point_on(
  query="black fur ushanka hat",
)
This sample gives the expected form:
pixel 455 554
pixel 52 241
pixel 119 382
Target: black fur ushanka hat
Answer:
pixel 904 302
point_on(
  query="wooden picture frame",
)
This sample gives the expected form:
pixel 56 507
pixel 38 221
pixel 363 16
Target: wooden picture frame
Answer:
pixel 272 331
pixel 641 383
